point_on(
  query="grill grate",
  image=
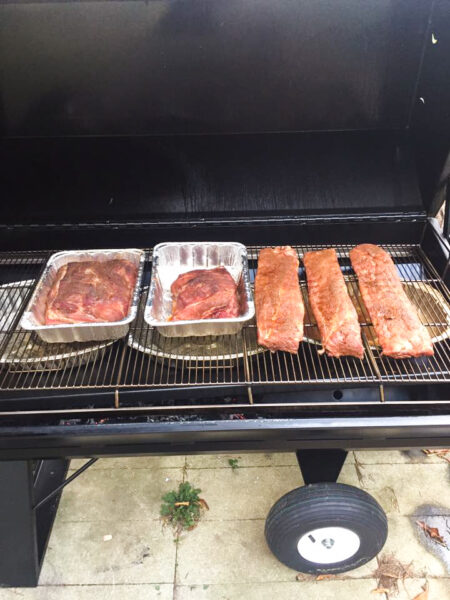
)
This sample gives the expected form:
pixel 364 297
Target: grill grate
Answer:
pixel 148 360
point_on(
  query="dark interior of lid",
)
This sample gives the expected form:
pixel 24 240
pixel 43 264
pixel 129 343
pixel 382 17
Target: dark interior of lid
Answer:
pixel 132 109
pixel 139 178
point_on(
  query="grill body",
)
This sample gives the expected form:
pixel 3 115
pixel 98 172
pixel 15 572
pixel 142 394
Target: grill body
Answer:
pixel 127 124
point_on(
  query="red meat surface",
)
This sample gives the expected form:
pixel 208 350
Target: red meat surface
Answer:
pixel 278 300
pixel 91 292
pixel 204 294
pixel 333 309
pixel 397 325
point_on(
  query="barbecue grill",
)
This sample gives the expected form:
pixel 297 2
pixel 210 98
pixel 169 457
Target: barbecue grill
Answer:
pixel 128 124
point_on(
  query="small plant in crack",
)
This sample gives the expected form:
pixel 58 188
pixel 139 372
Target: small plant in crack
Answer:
pixel 183 508
pixel 234 463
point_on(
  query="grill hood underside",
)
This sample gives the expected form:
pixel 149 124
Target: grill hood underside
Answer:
pixel 114 111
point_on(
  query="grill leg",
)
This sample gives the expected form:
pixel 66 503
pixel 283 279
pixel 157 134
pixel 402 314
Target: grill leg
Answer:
pixel 24 532
pixel 321 466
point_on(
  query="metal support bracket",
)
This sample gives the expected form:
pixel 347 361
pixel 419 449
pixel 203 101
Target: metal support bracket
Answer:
pixel 29 501
pixel 60 488
pixel 24 528
pixel 321 466
pixel 446 224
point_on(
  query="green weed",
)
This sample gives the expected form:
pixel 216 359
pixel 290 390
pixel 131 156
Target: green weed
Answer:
pixel 234 463
pixel 182 508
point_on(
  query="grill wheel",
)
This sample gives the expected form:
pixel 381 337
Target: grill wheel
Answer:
pixel 326 528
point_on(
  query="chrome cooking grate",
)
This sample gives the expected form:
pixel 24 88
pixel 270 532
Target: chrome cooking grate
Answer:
pixel 147 359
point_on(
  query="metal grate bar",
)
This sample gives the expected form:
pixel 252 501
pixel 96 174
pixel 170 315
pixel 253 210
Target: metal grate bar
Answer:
pixel 146 359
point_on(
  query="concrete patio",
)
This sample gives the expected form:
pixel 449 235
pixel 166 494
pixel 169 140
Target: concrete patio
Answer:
pixel 108 541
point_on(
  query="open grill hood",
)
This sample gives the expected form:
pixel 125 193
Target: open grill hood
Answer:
pixel 105 106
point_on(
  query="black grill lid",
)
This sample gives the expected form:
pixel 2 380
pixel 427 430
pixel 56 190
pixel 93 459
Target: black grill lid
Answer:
pixel 227 176
pixel 276 70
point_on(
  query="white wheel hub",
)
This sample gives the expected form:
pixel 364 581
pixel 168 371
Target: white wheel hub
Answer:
pixel 328 545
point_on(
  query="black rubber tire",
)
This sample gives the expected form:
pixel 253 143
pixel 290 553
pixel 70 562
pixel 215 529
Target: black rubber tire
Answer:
pixel 325 505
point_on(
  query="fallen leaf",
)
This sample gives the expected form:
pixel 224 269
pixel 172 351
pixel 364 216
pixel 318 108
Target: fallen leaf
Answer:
pixel 380 591
pixel 389 572
pixel 423 595
pixel 400 573
pixel 203 503
pixel 303 577
pixel 432 532
pixel 325 576
pixel 443 453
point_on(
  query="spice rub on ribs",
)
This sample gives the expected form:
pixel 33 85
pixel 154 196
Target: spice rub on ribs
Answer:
pixel 204 294
pixel 278 300
pixel 397 325
pixel 91 292
pixel 333 309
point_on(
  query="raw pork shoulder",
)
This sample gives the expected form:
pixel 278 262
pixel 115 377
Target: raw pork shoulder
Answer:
pixel 204 294
pixel 91 292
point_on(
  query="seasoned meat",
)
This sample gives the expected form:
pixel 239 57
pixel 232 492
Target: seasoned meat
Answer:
pixel 394 318
pixel 91 292
pixel 204 294
pixel 278 300
pixel 332 307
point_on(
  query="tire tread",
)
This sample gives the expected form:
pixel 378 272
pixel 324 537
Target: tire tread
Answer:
pixel 317 503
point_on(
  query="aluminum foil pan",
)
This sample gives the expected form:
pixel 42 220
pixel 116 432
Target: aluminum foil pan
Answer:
pixel 205 348
pixel 33 316
pixel 24 350
pixel 171 260
pixel 431 306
